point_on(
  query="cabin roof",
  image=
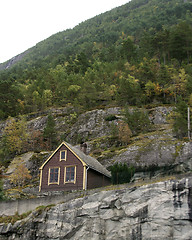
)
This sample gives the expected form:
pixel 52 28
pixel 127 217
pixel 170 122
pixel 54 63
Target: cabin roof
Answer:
pixel 86 159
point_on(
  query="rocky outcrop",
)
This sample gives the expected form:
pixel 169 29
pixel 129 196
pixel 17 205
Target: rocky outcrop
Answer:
pixel 159 114
pixel 161 150
pixel 32 161
pixel 153 155
pixel 88 125
pixel 158 148
pixel 159 211
pixel 13 61
pixel 92 124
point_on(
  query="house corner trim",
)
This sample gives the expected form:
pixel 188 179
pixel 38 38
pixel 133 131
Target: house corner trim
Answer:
pixel 40 180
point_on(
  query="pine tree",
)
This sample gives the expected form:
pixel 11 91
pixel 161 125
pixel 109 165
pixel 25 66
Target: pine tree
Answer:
pixel 50 133
pixel 180 119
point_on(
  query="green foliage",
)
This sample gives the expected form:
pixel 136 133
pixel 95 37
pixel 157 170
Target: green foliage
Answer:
pixel 21 175
pixel 180 119
pixel 136 54
pixel 124 132
pixel 9 96
pixel 138 120
pixel 121 173
pixel 44 208
pixel 15 136
pixel 110 118
pixel 129 90
pixel 128 50
pixel 79 64
pixel 114 130
pixel 2 195
pixel 14 218
pixel 50 133
pixel 47 98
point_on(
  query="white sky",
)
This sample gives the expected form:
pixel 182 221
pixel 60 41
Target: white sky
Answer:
pixel 23 23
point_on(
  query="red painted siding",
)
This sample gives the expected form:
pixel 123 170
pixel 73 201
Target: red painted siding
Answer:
pixel 96 179
pixel 71 160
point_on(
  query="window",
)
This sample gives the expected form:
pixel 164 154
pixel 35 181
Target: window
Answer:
pixel 63 155
pixel 70 174
pixel 54 175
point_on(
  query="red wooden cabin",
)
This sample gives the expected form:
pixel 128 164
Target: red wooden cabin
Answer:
pixel 69 168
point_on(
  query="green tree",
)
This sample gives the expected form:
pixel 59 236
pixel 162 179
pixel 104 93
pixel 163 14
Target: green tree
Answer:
pixel 9 95
pixel 121 173
pixel 15 136
pixel 180 126
pixel 150 88
pixel 138 120
pixel 73 91
pixel 180 42
pixel 128 50
pixel 179 83
pixel 128 91
pixel 79 64
pixel 50 133
pixel 47 98
pixel 124 132
pixel 2 195
pixel 58 83
pixel 147 70
pixel 36 100
pixel 160 43
pixel 20 175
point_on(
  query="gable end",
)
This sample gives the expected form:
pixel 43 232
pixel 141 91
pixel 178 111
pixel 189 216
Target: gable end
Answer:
pixel 84 164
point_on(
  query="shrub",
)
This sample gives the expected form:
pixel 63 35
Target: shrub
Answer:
pixel 121 173
pixel 138 120
pixel 2 196
pixel 110 118
pixel 180 120
pixel 14 218
pixel 20 176
pixel 124 132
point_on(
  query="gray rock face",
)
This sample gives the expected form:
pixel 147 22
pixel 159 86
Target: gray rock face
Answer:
pixel 92 124
pixel 158 211
pixel 89 125
pixel 13 61
pixel 162 150
pixel 159 114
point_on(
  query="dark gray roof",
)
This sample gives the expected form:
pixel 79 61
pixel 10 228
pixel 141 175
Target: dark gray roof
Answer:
pixel 90 161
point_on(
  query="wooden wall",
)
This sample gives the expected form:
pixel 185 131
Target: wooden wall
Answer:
pixel 71 160
pixel 96 180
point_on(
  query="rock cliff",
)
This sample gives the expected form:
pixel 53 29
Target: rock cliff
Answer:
pixel 13 61
pixel 158 148
pixel 158 211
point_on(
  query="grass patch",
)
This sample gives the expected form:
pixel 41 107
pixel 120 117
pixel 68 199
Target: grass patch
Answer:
pixel 14 218
pixel 42 208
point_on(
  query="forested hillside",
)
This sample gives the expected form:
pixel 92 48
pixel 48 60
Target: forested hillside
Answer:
pixel 136 54
pixel 130 66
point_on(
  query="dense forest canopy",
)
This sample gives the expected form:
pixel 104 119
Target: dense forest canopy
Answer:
pixel 136 54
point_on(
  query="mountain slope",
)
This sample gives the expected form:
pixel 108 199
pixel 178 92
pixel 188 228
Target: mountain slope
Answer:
pixel 132 19
pixel 133 54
